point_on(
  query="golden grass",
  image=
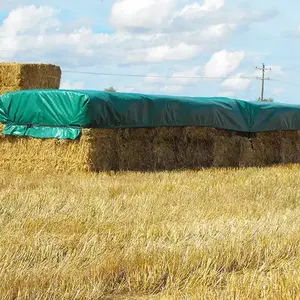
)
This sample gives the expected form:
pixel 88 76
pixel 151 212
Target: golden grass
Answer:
pixel 17 76
pixel 214 234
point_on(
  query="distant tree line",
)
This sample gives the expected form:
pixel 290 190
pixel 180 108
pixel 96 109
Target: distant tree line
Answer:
pixel 110 89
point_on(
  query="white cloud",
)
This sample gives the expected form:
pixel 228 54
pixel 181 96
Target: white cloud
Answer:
pixel 211 5
pixel 210 37
pixel 179 78
pixel 29 19
pixel 196 9
pixel 237 83
pixel 67 85
pixel 166 52
pixel 43 36
pixel 146 34
pixel 141 14
pixel 186 77
pixel 223 63
pixel 214 12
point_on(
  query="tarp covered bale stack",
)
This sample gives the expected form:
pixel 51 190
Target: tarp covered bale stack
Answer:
pixel 17 76
pixel 94 131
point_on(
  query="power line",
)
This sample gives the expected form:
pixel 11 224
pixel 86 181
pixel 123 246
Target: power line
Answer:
pixel 157 76
pixel 286 82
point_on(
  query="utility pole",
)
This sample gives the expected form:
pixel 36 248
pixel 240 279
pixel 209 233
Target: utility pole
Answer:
pixel 262 78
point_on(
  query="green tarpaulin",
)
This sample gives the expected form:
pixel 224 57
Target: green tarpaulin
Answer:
pixel 62 113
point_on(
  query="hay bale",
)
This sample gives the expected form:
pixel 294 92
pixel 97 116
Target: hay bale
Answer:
pixel 147 150
pixel 290 147
pixel 169 148
pixel 248 156
pixel 199 153
pixel 203 133
pixel 135 149
pixel 102 149
pixel 262 150
pixel 268 146
pixel 199 146
pixel 92 152
pixel 227 151
pixel 17 76
pixel 1 129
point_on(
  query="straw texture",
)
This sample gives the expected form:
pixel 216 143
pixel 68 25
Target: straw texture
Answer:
pixel 149 150
pixel 17 76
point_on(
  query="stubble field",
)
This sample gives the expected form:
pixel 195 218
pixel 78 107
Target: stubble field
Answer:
pixel 212 234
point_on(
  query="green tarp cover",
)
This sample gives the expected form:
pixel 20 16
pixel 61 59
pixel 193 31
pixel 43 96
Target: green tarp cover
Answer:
pixel 62 113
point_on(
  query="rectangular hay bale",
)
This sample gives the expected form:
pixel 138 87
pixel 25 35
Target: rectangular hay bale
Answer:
pixel 135 149
pixel 18 76
pixel 24 154
pixel 227 151
pixel 290 147
pixel 262 150
pixel 199 153
pixel 169 145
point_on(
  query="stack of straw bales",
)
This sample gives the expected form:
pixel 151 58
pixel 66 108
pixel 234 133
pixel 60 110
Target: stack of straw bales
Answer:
pixel 17 76
pixel 140 149
pixel 149 149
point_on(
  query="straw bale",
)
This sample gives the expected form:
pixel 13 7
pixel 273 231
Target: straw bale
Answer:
pixel 290 147
pixel 199 153
pixel 268 146
pixel 17 76
pixel 204 132
pixel 249 157
pixel 262 150
pixel 227 151
pixel 164 155
pixel 136 149
pixel 24 154
pixel 148 150
pixel 103 149
pixel 203 145
pixel 169 148
pixel 1 129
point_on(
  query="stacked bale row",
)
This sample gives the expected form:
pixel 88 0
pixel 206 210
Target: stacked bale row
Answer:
pixel 149 150
pixel 143 149
pixel 16 76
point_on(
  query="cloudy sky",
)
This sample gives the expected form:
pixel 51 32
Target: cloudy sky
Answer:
pixel 178 47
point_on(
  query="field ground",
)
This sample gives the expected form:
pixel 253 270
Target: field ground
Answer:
pixel 213 234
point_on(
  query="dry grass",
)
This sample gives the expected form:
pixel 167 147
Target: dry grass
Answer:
pixel 214 234
pixel 17 76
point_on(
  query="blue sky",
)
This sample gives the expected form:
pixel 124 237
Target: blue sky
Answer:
pixel 175 44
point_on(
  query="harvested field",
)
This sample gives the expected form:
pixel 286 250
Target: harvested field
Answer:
pixel 213 234
pixel 149 149
pixel 16 76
